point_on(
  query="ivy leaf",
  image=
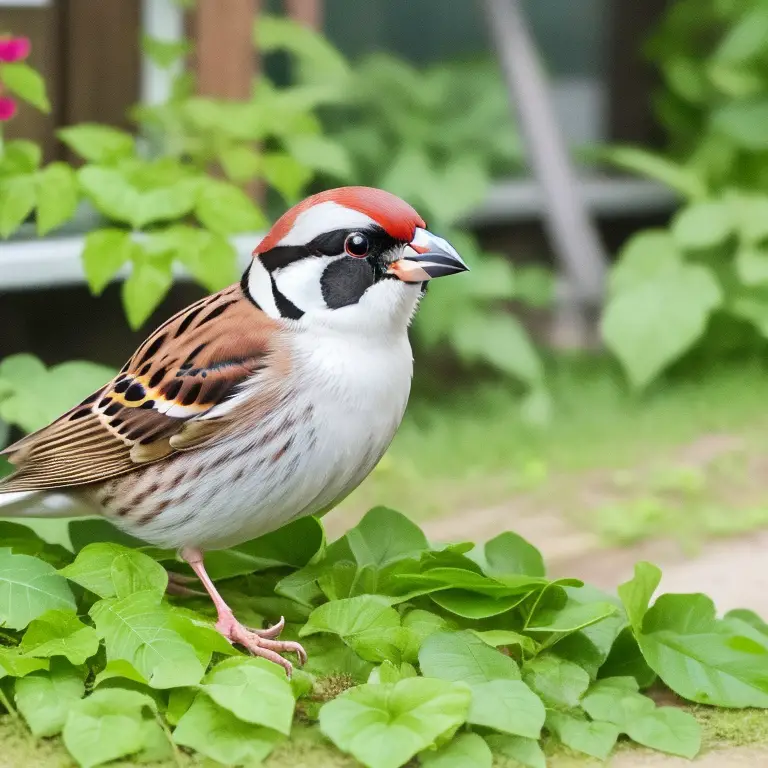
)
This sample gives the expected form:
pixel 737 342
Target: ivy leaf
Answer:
pixel 652 325
pixel 384 726
pixel 216 733
pixel 57 633
pixel 107 725
pixel 463 657
pixel 44 699
pixel 28 588
pixel 144 289
pixel 137 629
pixel 226 210
pixel 366 623
pixel 112 570
pixel 57 196
pixel 557 681
pixel 509 553
pixel 105 252
pixel 26 83
pixel 527 752
pixel 592 738
pixel 465 750
pixel 100 144
pixel 255 691
pixel 17 200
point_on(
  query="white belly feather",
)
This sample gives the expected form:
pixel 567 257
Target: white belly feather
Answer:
pixel 349 399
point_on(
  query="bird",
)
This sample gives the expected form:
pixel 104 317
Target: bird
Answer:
pixel 265 402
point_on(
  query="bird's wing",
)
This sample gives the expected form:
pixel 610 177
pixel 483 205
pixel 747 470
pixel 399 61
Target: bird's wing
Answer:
pixel 169 397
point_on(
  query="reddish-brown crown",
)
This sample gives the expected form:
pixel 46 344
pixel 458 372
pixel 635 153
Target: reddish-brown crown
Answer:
pixel 397 217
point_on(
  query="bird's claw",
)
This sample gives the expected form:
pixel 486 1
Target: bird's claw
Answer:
pixel 262 642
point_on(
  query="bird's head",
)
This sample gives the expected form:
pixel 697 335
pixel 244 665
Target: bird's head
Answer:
pixel 350 258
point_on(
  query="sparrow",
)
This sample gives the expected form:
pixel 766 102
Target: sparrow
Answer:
pixel 267 401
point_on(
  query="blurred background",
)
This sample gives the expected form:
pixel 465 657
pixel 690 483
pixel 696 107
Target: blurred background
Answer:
pixel 596 383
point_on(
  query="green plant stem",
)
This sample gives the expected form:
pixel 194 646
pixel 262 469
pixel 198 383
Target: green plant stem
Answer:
pixel 168 735
pixel 6 702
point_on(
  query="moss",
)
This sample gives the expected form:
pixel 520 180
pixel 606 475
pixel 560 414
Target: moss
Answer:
pixel 732 727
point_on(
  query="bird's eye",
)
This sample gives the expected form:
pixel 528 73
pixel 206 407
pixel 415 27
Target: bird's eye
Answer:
pixel 356 245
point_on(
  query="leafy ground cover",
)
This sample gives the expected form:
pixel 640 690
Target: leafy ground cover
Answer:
pixel 443 653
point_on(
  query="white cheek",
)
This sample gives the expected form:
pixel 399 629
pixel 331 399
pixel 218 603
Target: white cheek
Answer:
pixel 300 282
pixel 260 288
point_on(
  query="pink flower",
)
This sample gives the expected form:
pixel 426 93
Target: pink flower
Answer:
pixel 13 49
pixel 7 109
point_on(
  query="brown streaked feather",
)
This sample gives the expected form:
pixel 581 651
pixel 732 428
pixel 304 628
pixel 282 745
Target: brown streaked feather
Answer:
pixel 190 364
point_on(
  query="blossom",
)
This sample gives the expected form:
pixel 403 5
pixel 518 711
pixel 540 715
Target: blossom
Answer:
pixel 7 109
pixel 13 49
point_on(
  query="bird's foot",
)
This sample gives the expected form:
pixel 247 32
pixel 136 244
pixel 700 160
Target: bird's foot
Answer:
pixel 261 642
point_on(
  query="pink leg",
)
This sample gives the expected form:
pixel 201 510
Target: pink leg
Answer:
pixel 258 642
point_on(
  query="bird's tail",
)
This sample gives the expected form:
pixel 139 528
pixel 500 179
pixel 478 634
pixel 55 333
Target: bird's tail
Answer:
pixel 41 504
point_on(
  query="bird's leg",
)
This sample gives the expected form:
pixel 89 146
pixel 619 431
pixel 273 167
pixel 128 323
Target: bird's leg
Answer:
pixel 258 642
pixel 178 585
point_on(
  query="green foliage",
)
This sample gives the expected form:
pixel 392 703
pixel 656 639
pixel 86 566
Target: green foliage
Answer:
pixel 686 289
pixel 121 671
pixel 26 83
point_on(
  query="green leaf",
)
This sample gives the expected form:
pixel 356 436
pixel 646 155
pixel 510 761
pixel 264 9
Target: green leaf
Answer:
pixel 626 659
pixel 320 154
pixel 292 545
pixel 138 629
pixel 240 162
pixel 616 700
pixel 98 143
pixel 227 210
pixel 165 53
pixel 720 663
pixel 384 537
pixel 112 570
pixel 703 225
pixel 646 256
pixel 596 739
pixel 383 726
pixel 107 725
pixel 387 672
pixel 467 749
pixel 105 252
pixel 26 83
pixel 58 633
pixel 744 122
pixel 57 196
pixel 255 690
pixel 498 339
pixel 118 198
pixel 556 680
pixel 20 157
pixel 366 623
pixel 36 395
pixel 570 617
pixel 211 259
pixel 216 733
pixel 464 657
pixel 17 199
pixel 509 553
pixel 28 588
pixel 667 729
pixel 144 289
pixel 14 664
pixel 527 752
pixel 652 325
pixel 678 177
pixel 44 699
pixel 752 266
pixel 509 706
pixel 286 174
pixel 636 593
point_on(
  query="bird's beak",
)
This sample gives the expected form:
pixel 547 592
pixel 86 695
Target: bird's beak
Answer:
pixel 425 257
